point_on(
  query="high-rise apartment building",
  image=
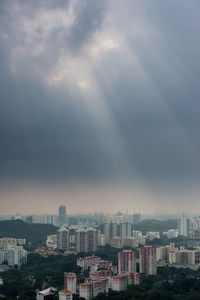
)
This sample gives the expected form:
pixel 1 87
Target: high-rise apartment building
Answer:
pixel 14 255
pixel 63 239
pixel 110 230
pixel 85 290
pixel 183 226
pixel 126 261
pixel 62 215
pixel 182 257
pixel 86 240
pixel 70 282
pixel 136 218
pixel 148 260
pixel 125 230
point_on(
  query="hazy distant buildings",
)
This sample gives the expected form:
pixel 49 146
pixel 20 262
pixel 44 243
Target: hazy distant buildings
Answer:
pixel 110 230
pixel 125 230
pixel 62 215
pixel 86 240
pixel 131 242
pixel 171 233
pixel 182 257
pixel 151 235
pixel 137 233
pixel 136 218
pixel 116 242
pixel 101 239
pixel 42 219
pixel 183 226
pixel 148 264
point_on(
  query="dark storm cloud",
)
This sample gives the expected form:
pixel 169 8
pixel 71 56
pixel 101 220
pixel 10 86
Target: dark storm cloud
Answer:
pixel 150 87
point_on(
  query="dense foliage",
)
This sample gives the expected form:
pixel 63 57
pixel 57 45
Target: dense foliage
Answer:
pixel 164 240
pixel 169 284
pixel 39 273
pixel 35 234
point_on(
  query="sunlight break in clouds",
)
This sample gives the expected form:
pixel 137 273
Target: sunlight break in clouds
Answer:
pixel 101 91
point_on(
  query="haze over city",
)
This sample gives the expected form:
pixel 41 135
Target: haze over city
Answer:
pixel 99 106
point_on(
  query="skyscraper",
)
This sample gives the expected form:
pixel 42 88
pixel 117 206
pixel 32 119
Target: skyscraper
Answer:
pixel 62 215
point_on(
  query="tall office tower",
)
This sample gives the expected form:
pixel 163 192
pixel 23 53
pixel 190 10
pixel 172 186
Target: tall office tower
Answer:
pixel 183 226
pixel 125 230
pixel 63 239
pixel 86 240
pixel 136 218
pixel 62 215
pixel 126 261
pixel 148 260
pixel 70 282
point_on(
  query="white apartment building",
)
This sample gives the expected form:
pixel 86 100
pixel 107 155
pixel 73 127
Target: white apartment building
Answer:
pixel 171 233
pixel 182 257
pixel 13 255
pixel 183 226
pixel 45 294
pixel 70 280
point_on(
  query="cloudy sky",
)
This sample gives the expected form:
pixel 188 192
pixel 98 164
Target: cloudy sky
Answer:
pixel 99 105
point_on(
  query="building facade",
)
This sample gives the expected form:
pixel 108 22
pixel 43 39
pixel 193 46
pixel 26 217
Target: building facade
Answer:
pixel 148 264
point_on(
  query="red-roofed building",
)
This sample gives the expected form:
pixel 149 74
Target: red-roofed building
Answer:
pixel 65 295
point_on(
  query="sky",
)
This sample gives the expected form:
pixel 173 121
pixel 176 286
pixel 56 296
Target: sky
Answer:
pixel 99 106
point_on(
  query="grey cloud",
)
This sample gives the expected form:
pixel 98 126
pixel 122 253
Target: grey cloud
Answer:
pixel 89 17
pixel 48 132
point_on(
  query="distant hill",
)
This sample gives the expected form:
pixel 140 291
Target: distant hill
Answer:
pixel 35 234
pixel 156 225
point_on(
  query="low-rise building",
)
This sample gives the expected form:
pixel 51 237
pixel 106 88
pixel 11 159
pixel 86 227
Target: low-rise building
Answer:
pixel 65 295
pixel 46 294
